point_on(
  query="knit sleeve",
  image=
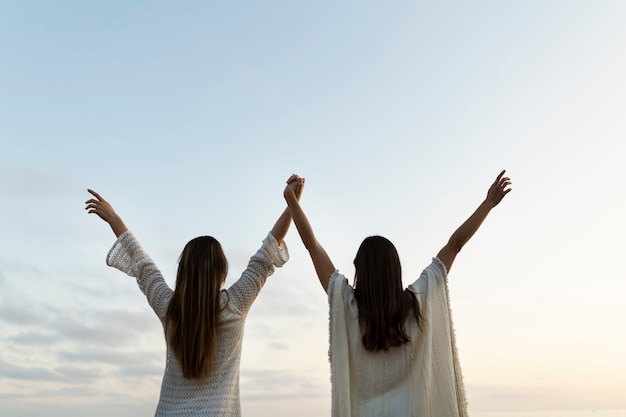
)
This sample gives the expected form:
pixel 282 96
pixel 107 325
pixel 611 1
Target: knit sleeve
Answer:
pixel 261 265
pixel 128 256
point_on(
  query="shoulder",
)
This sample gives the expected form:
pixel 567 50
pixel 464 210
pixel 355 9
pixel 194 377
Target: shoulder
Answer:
pixel 436 270
pixel 341 296
pixel 338 286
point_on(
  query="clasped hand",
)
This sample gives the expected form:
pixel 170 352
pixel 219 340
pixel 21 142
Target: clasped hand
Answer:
pixel 295 185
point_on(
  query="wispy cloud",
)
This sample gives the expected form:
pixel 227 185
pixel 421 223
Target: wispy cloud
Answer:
pixel 45 343
pixel 37 337
pixel 275 384
pixel 30 373
pixel 12 312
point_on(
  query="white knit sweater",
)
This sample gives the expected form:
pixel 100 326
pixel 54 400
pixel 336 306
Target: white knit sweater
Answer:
pixel 217 394
pixel 421 378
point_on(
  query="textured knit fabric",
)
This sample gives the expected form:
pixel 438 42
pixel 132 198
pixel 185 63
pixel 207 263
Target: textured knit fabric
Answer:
pixel 421 378
pixel 217 394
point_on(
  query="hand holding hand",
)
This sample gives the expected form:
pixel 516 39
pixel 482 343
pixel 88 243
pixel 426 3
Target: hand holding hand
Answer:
pixel 104 210
pixel 295 185
pixel 498 189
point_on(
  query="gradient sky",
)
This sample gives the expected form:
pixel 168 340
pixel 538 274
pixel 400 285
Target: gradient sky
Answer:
pixel 189 116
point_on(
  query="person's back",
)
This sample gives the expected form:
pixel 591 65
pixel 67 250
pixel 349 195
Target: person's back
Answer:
pixel 219 390
pixel 418 378
pixel 216 393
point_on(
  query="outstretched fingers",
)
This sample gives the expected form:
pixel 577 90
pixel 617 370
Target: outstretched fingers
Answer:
pixel 95 194
pixel 99 206
pixel 504 185
pixel 501 180
pixel 93 204
pixel 504 182
pixel 91 207
pixel 499 188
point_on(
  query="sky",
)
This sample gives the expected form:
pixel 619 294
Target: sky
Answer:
pixel 189 116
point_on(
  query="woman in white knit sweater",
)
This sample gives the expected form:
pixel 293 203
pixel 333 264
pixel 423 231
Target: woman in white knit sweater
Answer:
pixel 392 351
pixel 203 323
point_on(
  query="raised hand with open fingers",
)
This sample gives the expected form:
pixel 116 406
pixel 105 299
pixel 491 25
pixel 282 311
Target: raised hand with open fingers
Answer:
pixel 499 188
pixel 104 210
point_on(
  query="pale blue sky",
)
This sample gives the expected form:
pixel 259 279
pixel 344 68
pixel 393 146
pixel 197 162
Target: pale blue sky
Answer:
pixel 189 116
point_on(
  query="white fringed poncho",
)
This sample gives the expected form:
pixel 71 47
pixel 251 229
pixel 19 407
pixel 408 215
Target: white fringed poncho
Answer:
pixel 218 393
pixel 421 378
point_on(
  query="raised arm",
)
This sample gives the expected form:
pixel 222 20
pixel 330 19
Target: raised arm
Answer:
pixel 104 210
pixel 284 221
pixel 128 256
pixel 459 238
pixel 321 261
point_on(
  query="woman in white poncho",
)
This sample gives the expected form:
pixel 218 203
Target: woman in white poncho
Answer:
pixel 392 350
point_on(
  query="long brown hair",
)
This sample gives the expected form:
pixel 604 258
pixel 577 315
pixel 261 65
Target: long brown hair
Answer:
pixel 192 316
pixel 384 305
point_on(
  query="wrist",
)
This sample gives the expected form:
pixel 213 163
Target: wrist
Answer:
pixel 291 198
pixel 489 204
pixel 118 226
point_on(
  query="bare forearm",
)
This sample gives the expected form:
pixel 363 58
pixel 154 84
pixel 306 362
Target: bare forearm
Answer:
pixel 495 194
pixel 459 238
pixel 118 226
pixel 465 232
pixel 321 261
pixel 282 226
pixel 302 223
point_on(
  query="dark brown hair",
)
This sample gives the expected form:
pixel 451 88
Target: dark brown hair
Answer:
pixel 192 317
pixel 384 305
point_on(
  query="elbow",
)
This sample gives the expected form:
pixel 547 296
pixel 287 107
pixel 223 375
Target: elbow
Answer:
pixel 455 245
pixel 311 246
